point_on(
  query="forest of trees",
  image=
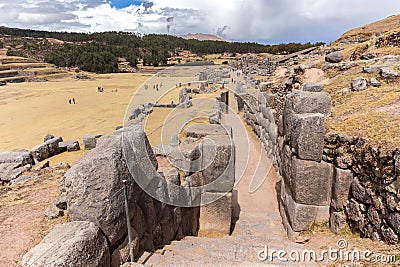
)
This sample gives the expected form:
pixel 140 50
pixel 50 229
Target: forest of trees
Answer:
pixel 99 52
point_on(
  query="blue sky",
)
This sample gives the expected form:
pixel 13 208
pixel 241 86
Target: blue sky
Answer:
pixel 264 21
pixel 125 3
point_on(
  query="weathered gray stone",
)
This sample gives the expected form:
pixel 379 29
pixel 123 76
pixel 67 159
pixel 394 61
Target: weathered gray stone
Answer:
pixel 90 140
pixel 41 152
pixel 22 157
pixel 170 174
pixel 371 69
pixel 52 211
pixel 358 191
pixel 306 133
pixel 353 210
pixel 14 164
pixel 313 87
pixel 48 137
pixel 175 140
pixel 359 84
pixel 367 56
pixel 91 186
pixel 201 130
pixel 341 188
pixel 343 91
pixel 187 157
pixel 301 102
pixel 374 82
pixel 334 57
pixel 21 179
pixel 373 217
pixel 397 163
pixel 77 243
pixel 300 216
pixel 323 214
pixel 218 163
pixel 307 178
pixel 394 221
pixel 388 73
pixel 215 117
pixel 216 216
pixel 53 145
pixel 337 222
pixel 69 146
pixel 389 235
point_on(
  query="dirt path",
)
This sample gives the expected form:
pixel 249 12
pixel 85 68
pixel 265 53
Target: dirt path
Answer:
pixel 22 215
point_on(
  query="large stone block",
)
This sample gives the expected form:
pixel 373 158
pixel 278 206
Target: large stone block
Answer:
pixel 201 130
pixel 310 182
pixel 300 216
pixel 22 157
pixel 47 149
pixel 90 140
pixel 323 214
pixel 313 87
pixel 41 152
pixel 53 145
pixel 92 187
pixel 334 57
pixel 78 243
pixel 337 222
pixel 218 163
pixel 306 135
pixel 341 188
pixel 187 157
pixel 301 102
pixel 216 217
pixel 69 146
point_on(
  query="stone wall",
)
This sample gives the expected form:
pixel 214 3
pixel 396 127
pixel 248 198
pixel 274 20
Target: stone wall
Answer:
pixel 91 191
pixel 360 182
pixel 368 188
pixel 296 143
pixel 165 203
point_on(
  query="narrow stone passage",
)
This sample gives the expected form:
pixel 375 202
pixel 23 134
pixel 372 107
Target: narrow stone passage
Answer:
pixel 258 223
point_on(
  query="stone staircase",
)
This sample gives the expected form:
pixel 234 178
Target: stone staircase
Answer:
pixel 18 69
pixel 253 232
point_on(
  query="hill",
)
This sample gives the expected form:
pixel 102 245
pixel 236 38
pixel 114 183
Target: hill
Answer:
pixel 102 52
pixel 371 30
pixel 202 37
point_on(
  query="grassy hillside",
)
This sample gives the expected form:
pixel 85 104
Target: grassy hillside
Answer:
pixel 373 29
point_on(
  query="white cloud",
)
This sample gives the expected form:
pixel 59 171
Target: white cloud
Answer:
pixel 258 20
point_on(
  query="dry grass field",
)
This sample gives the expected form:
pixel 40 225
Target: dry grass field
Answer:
pixel 29 111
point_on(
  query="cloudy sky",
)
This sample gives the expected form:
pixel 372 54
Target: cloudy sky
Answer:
pixel 265 21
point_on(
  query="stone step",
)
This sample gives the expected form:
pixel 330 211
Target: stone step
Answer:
pixel 13 80
pixel 214 253
pixel 27 65
pixel 12 59
pixel 40 71
pixel 8 73
pixel 59 75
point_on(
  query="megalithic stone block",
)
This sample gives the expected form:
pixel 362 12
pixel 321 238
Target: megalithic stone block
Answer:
pixel 218 163
pixel 310 182
pixel 306 135
pixel 300 216
pixel 216 216
pixel 301 102
pixel 341 188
